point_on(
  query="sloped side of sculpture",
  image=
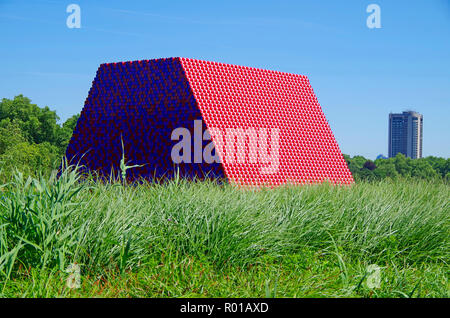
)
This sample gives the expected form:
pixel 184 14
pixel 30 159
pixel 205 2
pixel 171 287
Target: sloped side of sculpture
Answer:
pixel 279 110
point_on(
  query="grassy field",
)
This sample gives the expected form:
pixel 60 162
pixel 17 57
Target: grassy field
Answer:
pixel 201 239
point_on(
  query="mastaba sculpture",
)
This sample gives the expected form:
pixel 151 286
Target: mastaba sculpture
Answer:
pixel 206 119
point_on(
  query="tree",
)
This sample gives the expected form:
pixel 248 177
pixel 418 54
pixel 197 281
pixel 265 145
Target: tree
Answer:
pixel 386 170
pixel 65 133
pixel 402 165
pixel 440 165
pixel 366 174
pixel 426 168
pixel 10 135
pixel 37 124
pixel 30 159
pixel 359 161
pixel 370 165
pixel 30 137
pixel 422 169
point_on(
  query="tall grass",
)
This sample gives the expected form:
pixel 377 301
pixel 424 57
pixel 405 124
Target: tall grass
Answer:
pixel 51 222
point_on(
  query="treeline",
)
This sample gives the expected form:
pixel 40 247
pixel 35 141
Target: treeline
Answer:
pixel 429 168
pixel 32 141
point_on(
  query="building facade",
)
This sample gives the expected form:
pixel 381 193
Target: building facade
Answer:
pixel 406 134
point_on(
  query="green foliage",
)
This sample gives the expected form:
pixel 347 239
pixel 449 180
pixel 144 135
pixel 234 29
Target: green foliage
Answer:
pixel 37 124
pixel 124 164
pixel 386 170
pixel 429 168
pixel 316 236
pixel 65 133
pixel 30 137
pixel 29 158
pixel 10 136
pixel 36 215
pixel 305 274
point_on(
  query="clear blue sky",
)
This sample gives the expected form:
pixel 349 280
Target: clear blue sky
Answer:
pixel 359 74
